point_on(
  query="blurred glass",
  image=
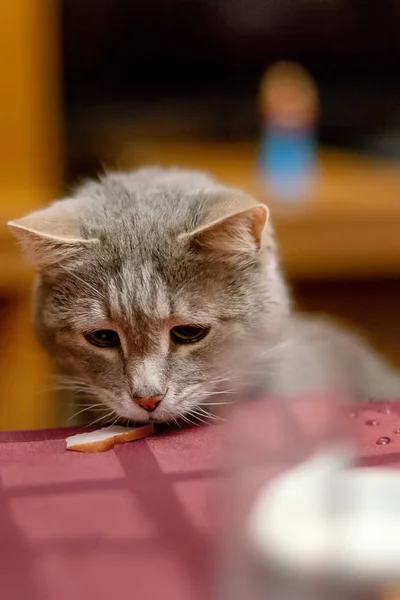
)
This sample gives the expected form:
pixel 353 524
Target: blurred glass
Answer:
pixel 266 438
pixel 298 522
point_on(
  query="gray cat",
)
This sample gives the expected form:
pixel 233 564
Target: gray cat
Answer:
pixel 159 289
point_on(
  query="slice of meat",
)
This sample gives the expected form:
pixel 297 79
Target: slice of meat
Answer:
pixel 105 438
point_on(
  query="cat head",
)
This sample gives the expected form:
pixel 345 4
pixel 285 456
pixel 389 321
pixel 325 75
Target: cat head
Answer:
pixel 153 284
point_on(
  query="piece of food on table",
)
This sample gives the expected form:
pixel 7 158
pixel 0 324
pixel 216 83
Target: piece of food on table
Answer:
pixel 105 438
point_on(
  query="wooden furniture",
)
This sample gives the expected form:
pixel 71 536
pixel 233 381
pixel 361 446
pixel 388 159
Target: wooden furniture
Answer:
pixel 29 178
pixel 348 227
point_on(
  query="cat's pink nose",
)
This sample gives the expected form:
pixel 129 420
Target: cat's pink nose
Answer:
pixel 148 404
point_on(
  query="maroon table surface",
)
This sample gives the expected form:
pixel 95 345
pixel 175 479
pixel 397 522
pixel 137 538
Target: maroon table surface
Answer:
pixel 135 521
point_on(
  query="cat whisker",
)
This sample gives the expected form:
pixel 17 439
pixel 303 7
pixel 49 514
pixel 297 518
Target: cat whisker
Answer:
pixel 184 417
pixel 176 422
pixel 198 408
pixel 206 411
pixel 102 418
pixel 195 415
pixel 115 420
pixel 216 403
pixel 85 409
pixel 61 388
pixel 207 414
pixel 67 379
pixel 96 406
pixel 218 393
pixel 228 377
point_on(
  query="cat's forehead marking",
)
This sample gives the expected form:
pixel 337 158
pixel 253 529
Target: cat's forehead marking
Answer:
pixel 139 290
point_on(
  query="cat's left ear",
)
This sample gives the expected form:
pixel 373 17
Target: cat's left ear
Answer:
pixel 237 233
pixel 51 236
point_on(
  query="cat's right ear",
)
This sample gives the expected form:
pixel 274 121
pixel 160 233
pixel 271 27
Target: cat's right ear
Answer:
pixel 51 236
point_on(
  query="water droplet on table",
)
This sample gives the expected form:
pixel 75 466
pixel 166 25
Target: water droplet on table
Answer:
pixel 383 441
pixel 384 410
pixel 396 430
pixel 371 422
pixel 353 414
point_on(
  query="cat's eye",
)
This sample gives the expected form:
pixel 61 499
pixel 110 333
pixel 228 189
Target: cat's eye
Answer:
pixel 188 334
pixel 103 338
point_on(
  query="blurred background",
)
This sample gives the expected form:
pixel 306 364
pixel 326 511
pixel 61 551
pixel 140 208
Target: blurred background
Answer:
pixel 89 84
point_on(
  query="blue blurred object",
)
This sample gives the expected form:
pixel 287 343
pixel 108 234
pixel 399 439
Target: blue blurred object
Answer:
pixel 288 160
pixel 289 108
